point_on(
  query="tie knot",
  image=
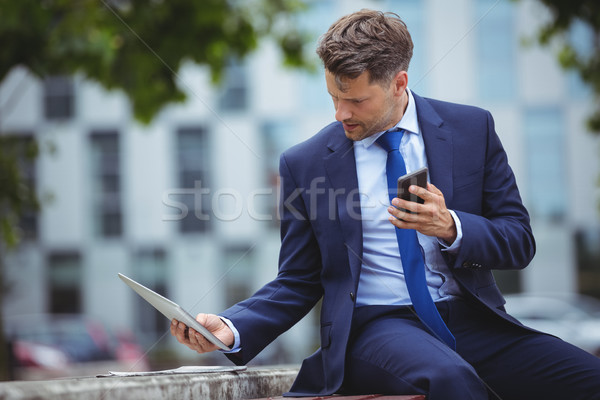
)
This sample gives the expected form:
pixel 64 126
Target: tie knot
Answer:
pixel 390 140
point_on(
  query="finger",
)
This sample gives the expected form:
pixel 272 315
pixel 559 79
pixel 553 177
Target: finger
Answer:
pixel 200 343
pixel 400 224
pixel 194 339
pixel 404 205
pixel 438 196
pixel 420 192
pixel 400 219
pixel 182 333
pixel 173 327
pixel 433 189
pixel 402 215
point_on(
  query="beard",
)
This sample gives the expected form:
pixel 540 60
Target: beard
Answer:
pixel 359 130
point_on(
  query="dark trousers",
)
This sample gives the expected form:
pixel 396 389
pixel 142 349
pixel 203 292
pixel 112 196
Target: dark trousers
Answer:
pixel 391 353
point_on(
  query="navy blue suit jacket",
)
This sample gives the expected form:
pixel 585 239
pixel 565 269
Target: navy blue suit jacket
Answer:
pixel 322 233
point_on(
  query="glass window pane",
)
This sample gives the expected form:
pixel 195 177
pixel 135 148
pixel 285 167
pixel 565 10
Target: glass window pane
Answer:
pixel 277 136
pixel 587 250
pixel 544 130
pixel 65 282
pixel 58 97
pixel 193 170
pixel 106 183
pixel 234 92
pixel 496 44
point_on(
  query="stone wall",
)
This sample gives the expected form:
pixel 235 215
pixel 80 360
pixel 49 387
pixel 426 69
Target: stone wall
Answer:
pixel 246 384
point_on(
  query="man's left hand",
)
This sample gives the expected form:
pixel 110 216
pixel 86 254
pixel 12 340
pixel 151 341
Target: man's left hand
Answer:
pixel 431 218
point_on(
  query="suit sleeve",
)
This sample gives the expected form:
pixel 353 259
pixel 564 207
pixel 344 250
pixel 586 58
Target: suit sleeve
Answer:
pixel 281 303
pixel 500 236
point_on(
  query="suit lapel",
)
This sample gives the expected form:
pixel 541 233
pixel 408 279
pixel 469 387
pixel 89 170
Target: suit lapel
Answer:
pixel 438 146
pixel 340 165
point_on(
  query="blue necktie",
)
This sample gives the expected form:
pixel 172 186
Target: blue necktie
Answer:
pixel 413 262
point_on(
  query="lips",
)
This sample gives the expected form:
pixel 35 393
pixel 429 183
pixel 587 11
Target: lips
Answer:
pixel 350 127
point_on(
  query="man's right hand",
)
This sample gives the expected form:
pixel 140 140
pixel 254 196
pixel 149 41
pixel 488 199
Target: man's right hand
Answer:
pixel 196 341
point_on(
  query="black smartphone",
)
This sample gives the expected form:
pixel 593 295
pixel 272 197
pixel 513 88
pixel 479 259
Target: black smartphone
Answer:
pixel 419 178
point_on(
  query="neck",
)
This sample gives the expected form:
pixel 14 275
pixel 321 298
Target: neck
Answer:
pixel 403 104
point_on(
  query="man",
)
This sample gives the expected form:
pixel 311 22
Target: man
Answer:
pixel 341 240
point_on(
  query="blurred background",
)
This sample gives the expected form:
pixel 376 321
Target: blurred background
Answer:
pixel 145 138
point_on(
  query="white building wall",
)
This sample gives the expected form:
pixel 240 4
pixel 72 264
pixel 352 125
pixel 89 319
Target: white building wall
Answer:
pixel 148 165
pixel 21 99
pixel 450 57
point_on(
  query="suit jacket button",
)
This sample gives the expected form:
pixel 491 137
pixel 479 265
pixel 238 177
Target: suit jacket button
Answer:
pixel 352 296
pixel 466 264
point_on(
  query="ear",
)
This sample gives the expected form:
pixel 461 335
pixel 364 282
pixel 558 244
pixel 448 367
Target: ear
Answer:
pixel 400 82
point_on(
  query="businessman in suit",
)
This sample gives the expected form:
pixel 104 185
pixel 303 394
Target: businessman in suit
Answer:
pixel 342 241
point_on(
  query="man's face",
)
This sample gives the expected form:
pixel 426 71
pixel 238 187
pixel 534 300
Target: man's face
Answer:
pixel 364 108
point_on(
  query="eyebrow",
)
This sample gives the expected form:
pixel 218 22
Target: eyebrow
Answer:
pixel 348 98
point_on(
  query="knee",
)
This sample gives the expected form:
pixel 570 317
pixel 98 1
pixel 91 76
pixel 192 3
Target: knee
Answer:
pixel 458 375
pixel 453 369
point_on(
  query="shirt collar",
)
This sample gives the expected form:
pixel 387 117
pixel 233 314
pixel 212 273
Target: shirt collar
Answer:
pixel 408 122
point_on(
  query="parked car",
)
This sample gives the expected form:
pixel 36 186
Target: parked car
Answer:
pixel 49 346
pixel 572 317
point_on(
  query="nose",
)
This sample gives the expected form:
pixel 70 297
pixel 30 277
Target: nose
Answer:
pixel 342 113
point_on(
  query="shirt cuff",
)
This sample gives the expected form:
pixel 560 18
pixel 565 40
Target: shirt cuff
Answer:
pixel 455 246
pixel 236 342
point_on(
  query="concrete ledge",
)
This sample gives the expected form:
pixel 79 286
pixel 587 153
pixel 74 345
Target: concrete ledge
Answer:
pixel 356 397
pixel 249 384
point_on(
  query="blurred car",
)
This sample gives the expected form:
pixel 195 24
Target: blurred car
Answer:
pixel 572 317
pixel 50 346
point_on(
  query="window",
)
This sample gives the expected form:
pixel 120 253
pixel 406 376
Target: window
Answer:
pixel 234 94
pixel 588 260
pixel 59 97
pixel 65 276
pixel 193 170
pixel 238 261
pixel 544 131
pixel 496 47
pixel 150 269
pixel 106 184
pixel 276 136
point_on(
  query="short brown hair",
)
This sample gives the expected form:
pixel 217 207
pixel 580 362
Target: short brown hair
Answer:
pixel 366 40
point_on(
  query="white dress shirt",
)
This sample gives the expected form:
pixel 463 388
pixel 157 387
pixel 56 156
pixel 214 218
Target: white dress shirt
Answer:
pixel 382 278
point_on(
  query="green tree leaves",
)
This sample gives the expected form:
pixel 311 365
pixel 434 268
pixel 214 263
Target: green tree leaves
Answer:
pixel 138 46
